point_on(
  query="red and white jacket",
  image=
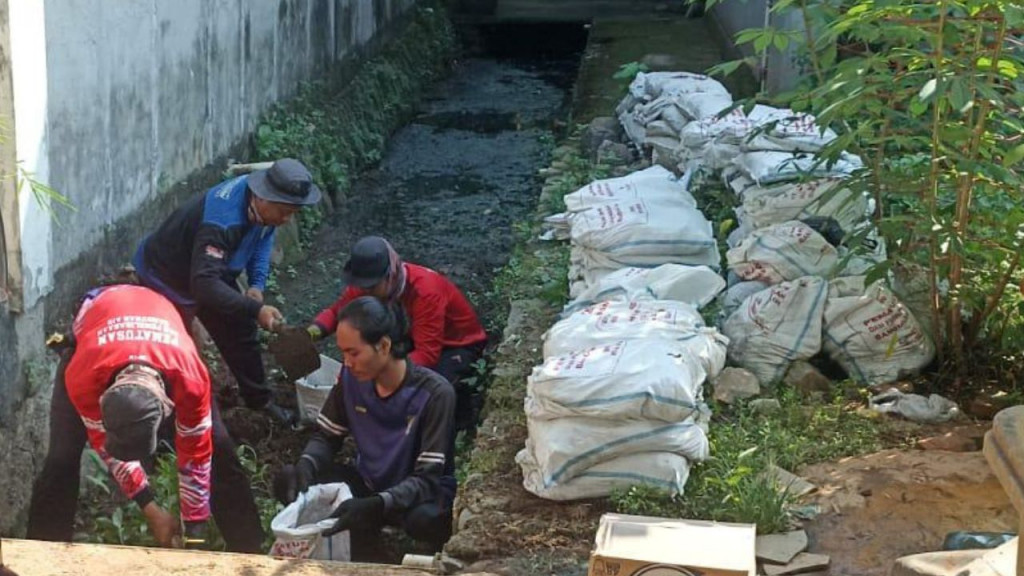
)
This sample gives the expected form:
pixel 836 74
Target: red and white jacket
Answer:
pixel 121 325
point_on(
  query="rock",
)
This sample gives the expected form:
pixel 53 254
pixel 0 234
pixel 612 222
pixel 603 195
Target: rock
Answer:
pixel 960 439
pixel 985 406
pixel 464 517
pixel 615 153
pixel 660 62
pixel 806 379
pixel 786 480
pixel 735 384
pixel 803 563
pixel 902 386
pixel 600 129
pixel 765 406
pixel 781 548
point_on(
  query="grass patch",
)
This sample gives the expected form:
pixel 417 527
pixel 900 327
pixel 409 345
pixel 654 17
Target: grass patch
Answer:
pixel 732 485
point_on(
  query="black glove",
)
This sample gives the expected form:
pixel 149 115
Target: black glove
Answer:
pixel 293 480
pixel 195 534
pixel 355 511
pixel 282 415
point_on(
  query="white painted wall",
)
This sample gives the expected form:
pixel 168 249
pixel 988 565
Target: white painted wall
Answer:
pixel 116 100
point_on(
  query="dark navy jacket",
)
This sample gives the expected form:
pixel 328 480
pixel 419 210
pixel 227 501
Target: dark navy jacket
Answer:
pixel 403 442
pixel 195 257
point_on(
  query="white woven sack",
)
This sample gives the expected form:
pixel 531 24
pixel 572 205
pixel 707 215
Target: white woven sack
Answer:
pixel 663 470
pixel 297 529
pixel 654 183
pixel 777 326
pixel 697 105
pixel 644 379
pixel 611 321
pixel 798 200
pixel 642 227
pixel 783 252
pixel 769 167
pixel 788 131
pixel 694 285
pixel 564 448
pixel 647 86
pixel 871 334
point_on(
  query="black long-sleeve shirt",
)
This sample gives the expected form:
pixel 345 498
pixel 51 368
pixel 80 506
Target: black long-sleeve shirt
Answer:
pixel 198 252
pixel 403 442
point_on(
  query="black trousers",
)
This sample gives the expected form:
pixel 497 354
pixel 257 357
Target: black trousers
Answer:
pixel 456 365
pixel 430 523
pixel 55 492
pixel 237 340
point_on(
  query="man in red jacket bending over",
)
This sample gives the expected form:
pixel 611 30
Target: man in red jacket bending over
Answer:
pixel 134 370
pixel 447 337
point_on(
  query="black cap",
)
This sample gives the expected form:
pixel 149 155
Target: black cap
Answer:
pixel 286 181
pixel 132 416
pixel 369 262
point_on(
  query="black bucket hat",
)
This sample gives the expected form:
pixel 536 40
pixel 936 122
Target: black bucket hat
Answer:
pixel 132 416
pixel 369 262
pixel 287 181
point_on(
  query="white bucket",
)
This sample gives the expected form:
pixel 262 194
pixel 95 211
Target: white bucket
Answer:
pixel 313 389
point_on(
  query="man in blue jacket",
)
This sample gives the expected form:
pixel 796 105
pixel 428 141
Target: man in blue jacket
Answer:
pixel 195 257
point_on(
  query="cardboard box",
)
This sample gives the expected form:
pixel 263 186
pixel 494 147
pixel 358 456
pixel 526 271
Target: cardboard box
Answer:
pixel 646 546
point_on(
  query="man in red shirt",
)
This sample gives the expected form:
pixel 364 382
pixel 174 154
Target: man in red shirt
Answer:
pixel 133 371
pixel 447 337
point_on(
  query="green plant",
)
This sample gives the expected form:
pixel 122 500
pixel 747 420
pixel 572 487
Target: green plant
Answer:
pixel 115 521
pixel 628 71
pixel 928 94
pixel 733 485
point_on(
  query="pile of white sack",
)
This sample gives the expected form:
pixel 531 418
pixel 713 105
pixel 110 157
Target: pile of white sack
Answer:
pixel 618 400
pixel 796 279
pixel 642 220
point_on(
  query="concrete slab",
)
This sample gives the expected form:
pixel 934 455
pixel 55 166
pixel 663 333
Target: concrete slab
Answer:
pixel 33 558
pixel 781 548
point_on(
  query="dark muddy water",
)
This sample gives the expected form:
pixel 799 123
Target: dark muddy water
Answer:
pixel 451 183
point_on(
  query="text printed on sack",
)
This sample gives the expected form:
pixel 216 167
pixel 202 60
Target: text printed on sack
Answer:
pixel 592 361
pixel 137 329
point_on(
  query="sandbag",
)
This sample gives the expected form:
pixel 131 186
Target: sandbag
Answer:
pixel 654 183
pixel 663 470
pixel 611 321
pixel 782 252
pixel 871 334
pixel 297 528
pixel 788 131
pixel 776 326
pixel 650 85
pixel 735 295
pixel 596 259
pixel 564 448
pixel 627 230
pixel 795 201
pixel 769 167
pixel 651 379
pixel 694 285
pixel 696 105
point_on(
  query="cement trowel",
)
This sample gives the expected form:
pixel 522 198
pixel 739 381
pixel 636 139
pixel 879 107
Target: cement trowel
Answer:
pixel 294 351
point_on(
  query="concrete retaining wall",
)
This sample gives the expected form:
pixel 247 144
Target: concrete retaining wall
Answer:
pixel 127 110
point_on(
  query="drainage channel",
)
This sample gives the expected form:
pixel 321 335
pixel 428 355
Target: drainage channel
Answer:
pixel 449 188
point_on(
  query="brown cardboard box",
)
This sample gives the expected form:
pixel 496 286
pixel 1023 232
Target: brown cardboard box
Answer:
pixel 646 546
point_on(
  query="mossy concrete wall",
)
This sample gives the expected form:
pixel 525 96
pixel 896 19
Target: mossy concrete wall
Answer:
pixel 126 165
